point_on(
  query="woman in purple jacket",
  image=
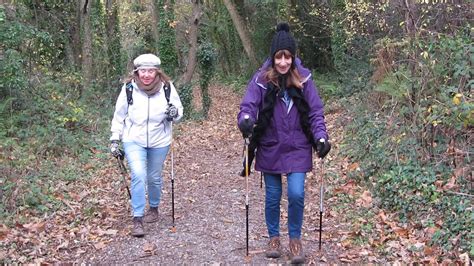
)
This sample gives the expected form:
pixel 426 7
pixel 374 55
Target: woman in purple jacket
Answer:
pixel 283 115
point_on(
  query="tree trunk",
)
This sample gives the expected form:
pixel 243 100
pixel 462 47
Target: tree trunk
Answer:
pixel 410 29
pixel 243 33
pixel 410 13
pixel 111 17
pixel 75 36
pixel 155 18
pixel 87 44
pixel 113 45
pixel 193 37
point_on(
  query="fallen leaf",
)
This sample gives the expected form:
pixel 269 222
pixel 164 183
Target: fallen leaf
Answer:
pixel 353 166
pixel 431 230
pixel 465 259
pixel 99 245
pixel 346 243
pixel 382 216
pixel 228 221
pixel 88 167
pixel 394 244
pixel 64 245
pixel 428 251
pixel 372 259
pixel 365 199
pixel 34 227
pixel 451 184
pixel 3 255
pixel 258 251
pixel 149 247
pixel 3 232
pixel 401 232
pixel 111 232
pixel 347 188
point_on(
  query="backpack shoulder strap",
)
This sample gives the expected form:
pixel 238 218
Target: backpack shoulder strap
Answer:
pixel 129 91
pixel 167 89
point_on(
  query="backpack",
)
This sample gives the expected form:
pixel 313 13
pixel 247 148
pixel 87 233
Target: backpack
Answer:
pixel 129 91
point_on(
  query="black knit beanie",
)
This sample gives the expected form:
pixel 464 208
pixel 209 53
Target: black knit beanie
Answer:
pixel 283 40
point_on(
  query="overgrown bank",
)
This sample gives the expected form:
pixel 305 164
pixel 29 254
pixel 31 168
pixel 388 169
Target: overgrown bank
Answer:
pixel 411 137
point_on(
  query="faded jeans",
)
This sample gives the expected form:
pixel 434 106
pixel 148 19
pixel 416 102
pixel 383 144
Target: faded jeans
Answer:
pixel 273 191
pixel 145 165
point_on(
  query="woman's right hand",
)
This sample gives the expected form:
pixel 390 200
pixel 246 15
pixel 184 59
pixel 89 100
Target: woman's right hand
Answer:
pixel 246 126
pixel 114 149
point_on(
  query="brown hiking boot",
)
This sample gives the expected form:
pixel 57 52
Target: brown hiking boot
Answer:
pixel 152 215
pixel 138 230
pixel 274 248
pixel 296 251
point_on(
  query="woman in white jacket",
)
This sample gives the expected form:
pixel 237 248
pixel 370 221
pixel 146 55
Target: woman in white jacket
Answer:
pixel 144 125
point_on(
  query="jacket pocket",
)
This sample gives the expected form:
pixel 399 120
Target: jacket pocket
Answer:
pixel 269 138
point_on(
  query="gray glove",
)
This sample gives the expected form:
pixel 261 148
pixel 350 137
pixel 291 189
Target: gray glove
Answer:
pixel 114 149
pixel 171 112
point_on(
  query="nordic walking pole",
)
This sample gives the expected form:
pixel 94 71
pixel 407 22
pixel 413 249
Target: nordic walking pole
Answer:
pixel 321 207
pixel 172 174
pixel 246 140
pixel 123 170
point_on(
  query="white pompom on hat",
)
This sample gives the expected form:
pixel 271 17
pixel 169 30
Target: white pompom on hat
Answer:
pixel 146 61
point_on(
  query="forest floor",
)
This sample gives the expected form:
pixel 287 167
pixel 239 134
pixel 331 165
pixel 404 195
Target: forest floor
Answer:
pixel 210 217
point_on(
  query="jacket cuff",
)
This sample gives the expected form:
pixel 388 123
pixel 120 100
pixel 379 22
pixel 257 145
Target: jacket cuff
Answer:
pixel 321 136
pixel 115 136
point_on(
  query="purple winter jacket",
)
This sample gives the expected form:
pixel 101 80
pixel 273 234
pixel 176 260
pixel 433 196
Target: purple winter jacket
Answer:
pixel 284 148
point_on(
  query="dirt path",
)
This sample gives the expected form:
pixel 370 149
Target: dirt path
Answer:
pixel 210 203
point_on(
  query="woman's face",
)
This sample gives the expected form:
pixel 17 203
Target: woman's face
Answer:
pixel 283 61
pixel 147 75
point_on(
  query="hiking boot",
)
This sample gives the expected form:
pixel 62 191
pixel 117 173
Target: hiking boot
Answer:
pixel 274 248
pixel 152 215
pixel 138 230
pixel 296 251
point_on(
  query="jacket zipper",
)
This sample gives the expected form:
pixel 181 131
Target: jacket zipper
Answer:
pixel 147 118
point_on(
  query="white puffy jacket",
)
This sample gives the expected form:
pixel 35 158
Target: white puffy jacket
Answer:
pixel 144 122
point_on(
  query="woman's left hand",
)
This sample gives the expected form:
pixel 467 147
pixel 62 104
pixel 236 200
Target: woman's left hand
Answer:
pixel 322 148
pixel 171 112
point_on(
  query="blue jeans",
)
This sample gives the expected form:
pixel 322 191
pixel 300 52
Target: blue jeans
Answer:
pixel 145 165
pixel 273 191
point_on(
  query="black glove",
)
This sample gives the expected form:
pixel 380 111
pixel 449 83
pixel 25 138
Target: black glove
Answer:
pixel 171 112
pixel 114 149
pixel 246 126
pixel 322 148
